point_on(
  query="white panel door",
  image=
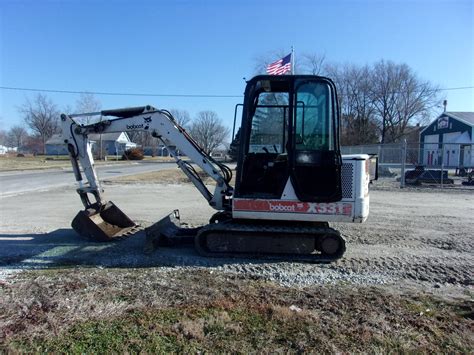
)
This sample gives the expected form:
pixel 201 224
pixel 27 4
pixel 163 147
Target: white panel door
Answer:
pixel 430 150
pixel 451 151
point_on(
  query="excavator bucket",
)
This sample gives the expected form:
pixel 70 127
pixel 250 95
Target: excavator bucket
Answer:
pixel 104 224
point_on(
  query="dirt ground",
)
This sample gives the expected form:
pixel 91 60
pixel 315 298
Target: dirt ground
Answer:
pixel 419 237
pixel 418 242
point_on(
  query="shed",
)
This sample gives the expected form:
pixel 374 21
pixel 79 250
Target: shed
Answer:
pixel 448 140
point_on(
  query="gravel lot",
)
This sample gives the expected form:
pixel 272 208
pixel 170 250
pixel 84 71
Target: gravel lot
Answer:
pixel 415 238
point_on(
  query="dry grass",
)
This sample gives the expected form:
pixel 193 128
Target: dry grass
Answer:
pixel 151 310
pixel 166 176
pixel 30 162
pixel 12 163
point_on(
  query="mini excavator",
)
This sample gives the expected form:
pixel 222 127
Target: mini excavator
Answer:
pixel 291 180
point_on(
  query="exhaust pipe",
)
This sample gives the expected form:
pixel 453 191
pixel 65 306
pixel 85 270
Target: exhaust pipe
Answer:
pixel 104 224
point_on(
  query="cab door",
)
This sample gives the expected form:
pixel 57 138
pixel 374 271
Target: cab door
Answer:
pixel 315 158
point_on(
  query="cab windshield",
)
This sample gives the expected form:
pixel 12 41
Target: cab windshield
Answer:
pixel 312 128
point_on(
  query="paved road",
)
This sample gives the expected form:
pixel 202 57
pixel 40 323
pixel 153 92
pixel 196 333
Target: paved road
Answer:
pixel 13 183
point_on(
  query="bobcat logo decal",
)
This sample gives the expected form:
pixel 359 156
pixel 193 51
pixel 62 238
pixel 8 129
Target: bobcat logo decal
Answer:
pixel 147 122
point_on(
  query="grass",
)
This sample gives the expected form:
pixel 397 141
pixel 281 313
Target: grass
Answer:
pixel 164 310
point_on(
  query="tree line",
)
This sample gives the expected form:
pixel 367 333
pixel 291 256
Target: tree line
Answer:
pixel 382 102
pixel 379 103
pixel 41 121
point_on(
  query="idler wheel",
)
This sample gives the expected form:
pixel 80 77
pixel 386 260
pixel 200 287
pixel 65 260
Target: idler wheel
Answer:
pixel 331 245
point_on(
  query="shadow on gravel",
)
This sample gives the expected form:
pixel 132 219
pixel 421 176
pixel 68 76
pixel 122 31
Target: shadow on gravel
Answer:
pixel 63 247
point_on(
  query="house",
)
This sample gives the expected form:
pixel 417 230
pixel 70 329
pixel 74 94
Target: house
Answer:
pixel 112 144
pixel 4 150
pixel 160 150
pixel 448 140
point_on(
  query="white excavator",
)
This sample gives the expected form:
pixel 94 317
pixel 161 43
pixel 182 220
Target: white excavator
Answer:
pixel 291 180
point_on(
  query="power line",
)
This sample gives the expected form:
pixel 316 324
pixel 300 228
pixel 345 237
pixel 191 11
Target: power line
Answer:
pixel 117 93
pixel 161 95
pixel 458 88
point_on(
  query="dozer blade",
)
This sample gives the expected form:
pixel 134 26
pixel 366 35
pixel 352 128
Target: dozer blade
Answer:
pixel 104 224
pixel 168 232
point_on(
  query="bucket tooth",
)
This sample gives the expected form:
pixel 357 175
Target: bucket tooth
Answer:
pixel 103 224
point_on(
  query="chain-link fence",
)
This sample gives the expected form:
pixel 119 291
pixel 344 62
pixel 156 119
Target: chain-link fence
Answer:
pixel 417 163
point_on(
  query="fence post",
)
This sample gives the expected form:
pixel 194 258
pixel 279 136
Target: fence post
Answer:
pixel 404 159
pixel 379 153
pixel 442 164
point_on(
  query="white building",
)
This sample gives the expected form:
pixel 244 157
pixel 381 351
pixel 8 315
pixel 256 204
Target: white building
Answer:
pixel 4 150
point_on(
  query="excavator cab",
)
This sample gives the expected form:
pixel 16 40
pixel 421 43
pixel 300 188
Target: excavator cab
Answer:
pixel 289 140
pixel 288 178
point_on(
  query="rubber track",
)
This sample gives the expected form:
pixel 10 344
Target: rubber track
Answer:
pixel 229 228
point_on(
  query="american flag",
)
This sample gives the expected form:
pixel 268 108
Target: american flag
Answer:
pixel 281 66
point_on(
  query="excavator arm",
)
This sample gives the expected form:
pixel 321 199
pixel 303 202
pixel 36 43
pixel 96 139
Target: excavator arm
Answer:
pixel 105 215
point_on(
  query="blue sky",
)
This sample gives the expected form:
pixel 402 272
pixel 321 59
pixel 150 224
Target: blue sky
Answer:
pixel 207 47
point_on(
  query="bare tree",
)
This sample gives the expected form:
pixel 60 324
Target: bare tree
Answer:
pixel 182 117
pixel 379 102
pixel 142 139
pixel 359 125
pixel 135 136
pixel 67 109
pixel 87 102
pixel 387 97
pixel 400 98
pixel 41 116
pixel 312 63
pixel 32 144
pixel 3 137
pixel 17 136
pixel 207 129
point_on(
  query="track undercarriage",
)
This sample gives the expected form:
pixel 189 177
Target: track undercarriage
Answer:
pixel 230 238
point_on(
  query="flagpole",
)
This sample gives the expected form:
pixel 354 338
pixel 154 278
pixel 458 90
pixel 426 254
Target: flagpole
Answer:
pixel 292 61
